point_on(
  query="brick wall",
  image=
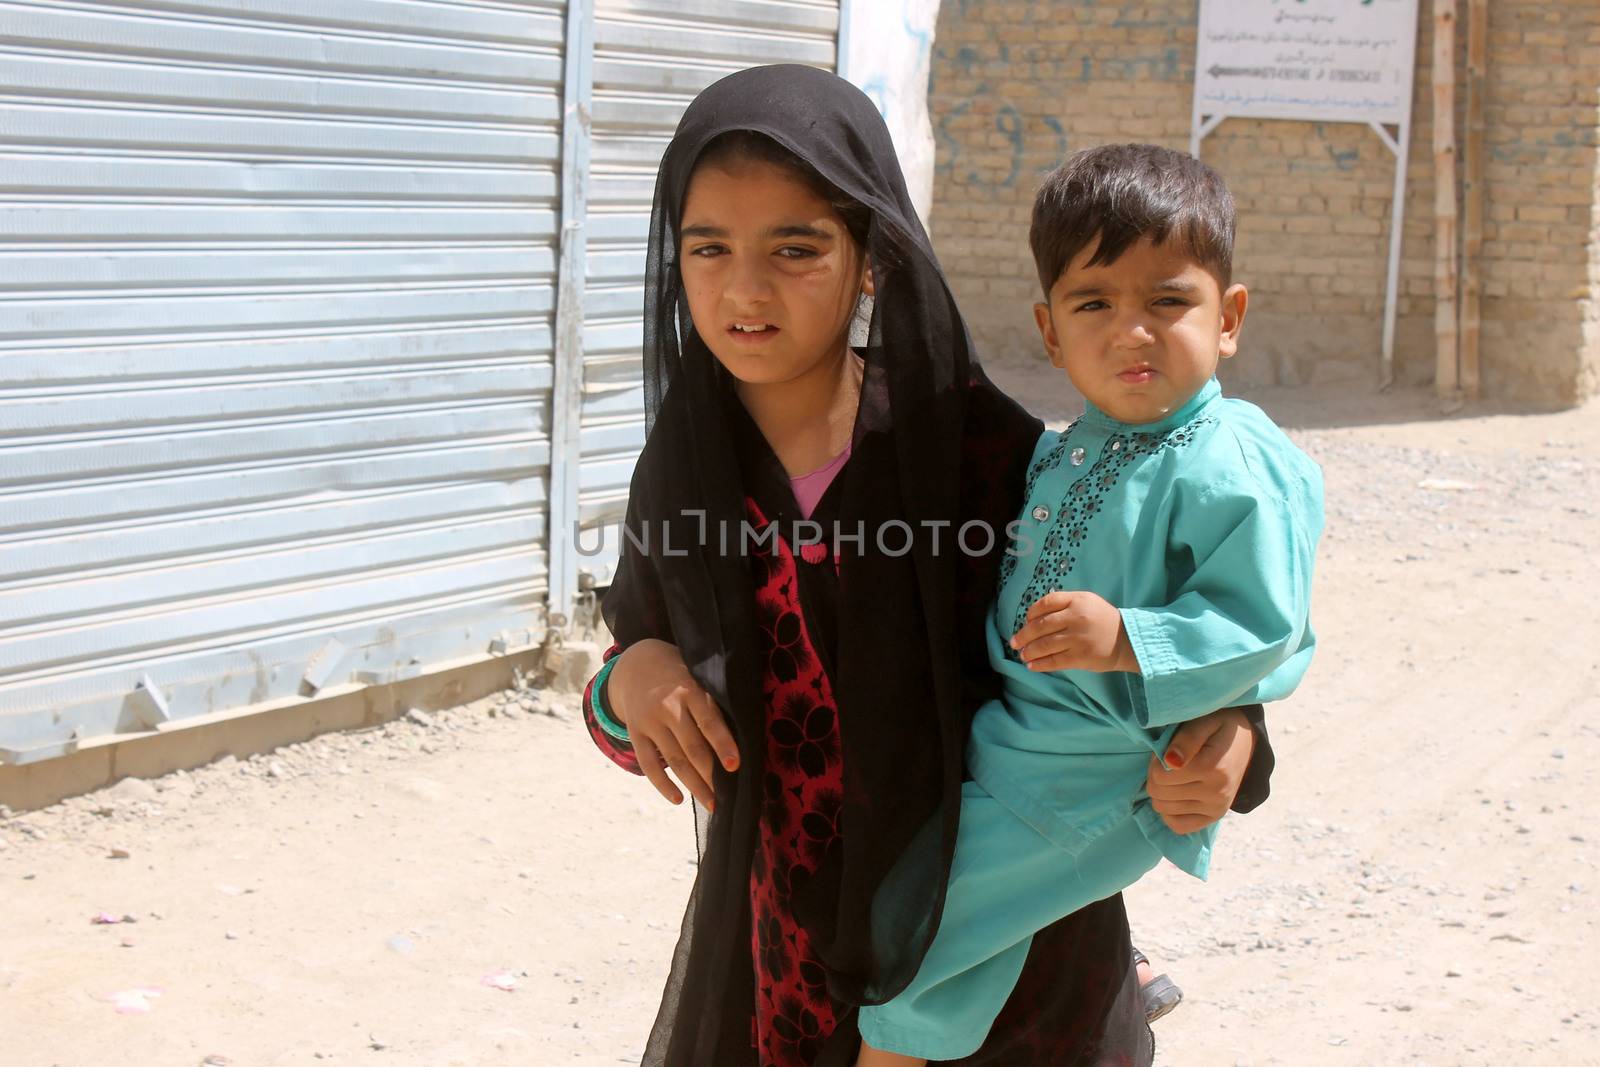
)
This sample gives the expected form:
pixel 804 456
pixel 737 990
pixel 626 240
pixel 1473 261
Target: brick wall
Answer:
pixel 1589 373
pixel 1019 83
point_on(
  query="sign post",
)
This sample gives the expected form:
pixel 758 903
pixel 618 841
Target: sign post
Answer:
pixel 1318 61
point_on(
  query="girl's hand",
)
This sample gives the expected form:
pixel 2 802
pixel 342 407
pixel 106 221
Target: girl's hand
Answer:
pixel 671 721
pixel 1074 631
pixel 1206 764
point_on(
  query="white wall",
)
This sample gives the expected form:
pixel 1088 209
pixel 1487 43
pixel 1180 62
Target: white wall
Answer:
pixel 889 44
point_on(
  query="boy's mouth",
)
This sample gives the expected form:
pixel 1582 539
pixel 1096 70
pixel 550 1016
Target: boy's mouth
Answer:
pixel 1138 374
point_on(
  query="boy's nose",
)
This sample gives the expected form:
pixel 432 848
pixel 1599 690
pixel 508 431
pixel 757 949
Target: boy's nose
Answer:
pixel 1133 333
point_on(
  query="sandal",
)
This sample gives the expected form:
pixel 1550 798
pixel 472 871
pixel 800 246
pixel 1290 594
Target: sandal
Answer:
pixel 1161 994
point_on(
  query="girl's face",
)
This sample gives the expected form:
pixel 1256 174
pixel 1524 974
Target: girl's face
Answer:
pixel 771 274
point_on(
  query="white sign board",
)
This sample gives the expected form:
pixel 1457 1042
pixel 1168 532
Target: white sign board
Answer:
pixel 1324 60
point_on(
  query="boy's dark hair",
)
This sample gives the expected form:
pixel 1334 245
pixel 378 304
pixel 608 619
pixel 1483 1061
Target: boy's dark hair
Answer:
pixel 1122 193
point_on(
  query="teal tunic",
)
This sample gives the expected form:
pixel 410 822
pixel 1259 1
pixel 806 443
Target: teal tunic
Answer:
pixel 1202 530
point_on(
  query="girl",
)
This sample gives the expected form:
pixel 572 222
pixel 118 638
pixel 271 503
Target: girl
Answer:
pixel 814 693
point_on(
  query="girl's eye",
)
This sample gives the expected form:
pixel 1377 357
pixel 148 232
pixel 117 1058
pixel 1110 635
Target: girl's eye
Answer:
pixel 796 252
pixel 707 251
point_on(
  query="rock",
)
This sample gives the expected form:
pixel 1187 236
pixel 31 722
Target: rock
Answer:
pixel 277 770
pixel 574 665
pixel 118 853
pixel 421 718
pixel 136 790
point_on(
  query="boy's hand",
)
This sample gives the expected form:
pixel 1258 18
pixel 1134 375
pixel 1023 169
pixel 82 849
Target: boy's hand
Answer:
pixel 671 721
pixel 1207 760
pixel 1074 631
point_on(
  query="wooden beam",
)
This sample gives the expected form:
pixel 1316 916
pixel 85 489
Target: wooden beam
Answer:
pixel 1445 275
pixel 1473 194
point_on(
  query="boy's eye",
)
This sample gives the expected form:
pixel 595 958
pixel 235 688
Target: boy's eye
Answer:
pixel 1094 305
pixel 1172 301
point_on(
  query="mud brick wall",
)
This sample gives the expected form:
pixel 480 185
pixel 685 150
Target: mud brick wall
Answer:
pixel 1017 84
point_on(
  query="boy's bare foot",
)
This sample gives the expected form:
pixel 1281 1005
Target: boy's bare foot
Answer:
pixel 872 1057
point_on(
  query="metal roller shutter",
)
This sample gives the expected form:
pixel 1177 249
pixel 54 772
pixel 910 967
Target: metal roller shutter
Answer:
pixel 275 348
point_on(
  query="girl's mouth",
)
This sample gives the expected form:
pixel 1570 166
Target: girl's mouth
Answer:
pixel 753 333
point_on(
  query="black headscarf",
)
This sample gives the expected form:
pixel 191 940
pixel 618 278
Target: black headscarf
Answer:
pixel 935 446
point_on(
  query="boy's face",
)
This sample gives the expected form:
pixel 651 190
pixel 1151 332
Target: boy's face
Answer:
pixel 1141 336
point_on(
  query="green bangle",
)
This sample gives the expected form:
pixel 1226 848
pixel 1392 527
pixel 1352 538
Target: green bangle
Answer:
pixel 602 715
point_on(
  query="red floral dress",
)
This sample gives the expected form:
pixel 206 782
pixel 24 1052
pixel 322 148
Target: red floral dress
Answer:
pixel 791 1011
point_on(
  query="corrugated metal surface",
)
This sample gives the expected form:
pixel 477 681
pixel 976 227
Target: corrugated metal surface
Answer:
pixel 275 344
pixel 651 58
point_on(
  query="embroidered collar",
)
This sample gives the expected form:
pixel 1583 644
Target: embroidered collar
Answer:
pixel 1095 419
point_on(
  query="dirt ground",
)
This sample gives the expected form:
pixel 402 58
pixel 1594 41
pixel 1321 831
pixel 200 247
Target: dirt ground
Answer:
pixel 1420 889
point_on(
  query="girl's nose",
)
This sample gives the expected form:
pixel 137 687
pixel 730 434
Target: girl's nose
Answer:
pixel 748 283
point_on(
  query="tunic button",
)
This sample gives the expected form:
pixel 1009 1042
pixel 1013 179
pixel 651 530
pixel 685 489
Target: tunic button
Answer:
pixel 1041 513
pixel 1077 457
pixel 1116 446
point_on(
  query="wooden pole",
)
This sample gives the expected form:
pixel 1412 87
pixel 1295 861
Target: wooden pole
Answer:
pixel 1473 194
pixel 1445 279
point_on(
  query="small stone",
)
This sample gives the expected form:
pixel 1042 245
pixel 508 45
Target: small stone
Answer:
pixel 277 770
pixel 421 718
pixel 120 854
pixel 131 789
pixel 215 1060
pixel 231 936
pixel 1559 753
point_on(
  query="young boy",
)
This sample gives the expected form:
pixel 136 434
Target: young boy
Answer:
pixel 1161 569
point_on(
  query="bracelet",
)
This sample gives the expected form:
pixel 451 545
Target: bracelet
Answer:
pixel 602 715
